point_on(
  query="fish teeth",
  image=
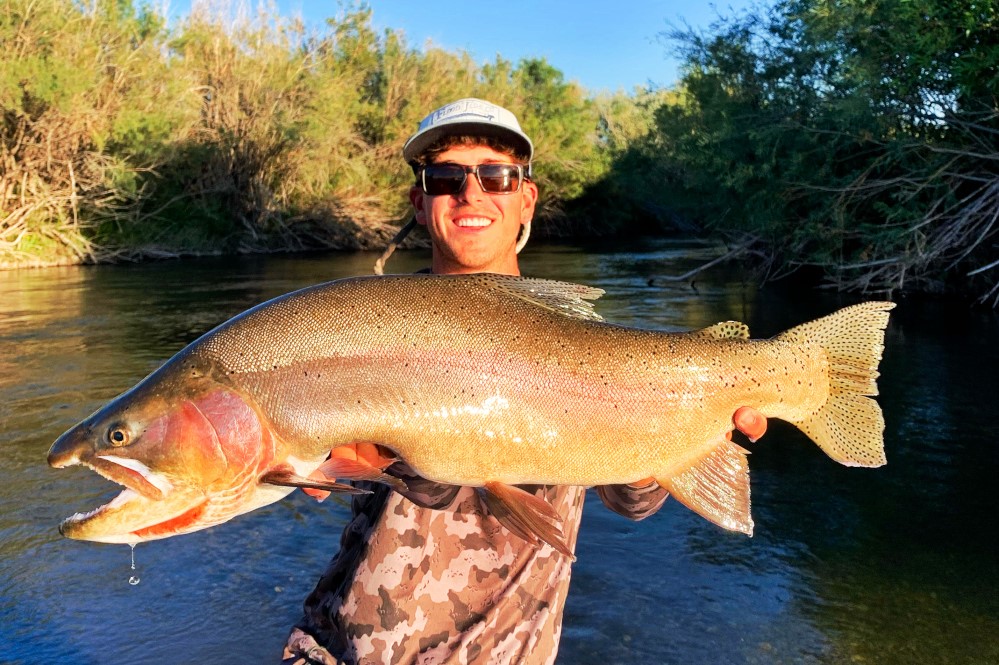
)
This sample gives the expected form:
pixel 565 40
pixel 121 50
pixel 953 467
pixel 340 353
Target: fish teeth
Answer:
pixel 121 499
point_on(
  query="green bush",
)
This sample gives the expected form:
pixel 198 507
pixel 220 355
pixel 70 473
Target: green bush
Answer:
pixel 236 134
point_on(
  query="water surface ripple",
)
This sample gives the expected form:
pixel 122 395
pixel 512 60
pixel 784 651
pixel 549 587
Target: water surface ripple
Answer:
pixel 895 566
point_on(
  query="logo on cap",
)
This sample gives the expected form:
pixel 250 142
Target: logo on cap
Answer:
pixel 466 107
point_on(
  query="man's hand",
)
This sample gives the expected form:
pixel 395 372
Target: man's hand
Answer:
pixel 302 649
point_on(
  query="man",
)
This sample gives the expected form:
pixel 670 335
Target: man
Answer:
pixel 428 575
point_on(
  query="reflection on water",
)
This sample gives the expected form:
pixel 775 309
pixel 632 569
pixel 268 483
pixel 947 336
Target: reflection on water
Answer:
pixel 896 565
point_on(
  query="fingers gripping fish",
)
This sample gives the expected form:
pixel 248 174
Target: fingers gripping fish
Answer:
pixel 480 380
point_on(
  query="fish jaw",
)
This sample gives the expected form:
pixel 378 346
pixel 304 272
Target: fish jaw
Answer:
pixel 131 518
pixel 185 461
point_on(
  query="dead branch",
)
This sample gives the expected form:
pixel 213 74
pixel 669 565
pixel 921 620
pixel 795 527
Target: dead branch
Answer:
pixel 727 256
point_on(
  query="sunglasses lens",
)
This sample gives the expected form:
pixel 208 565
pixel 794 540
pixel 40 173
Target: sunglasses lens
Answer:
pixel 499 178
pixel 449 179
pixel 443 179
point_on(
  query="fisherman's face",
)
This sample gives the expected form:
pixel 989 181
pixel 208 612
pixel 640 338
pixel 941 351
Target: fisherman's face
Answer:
pixel 474 231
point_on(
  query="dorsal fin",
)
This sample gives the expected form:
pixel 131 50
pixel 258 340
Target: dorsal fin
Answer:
pixel 724 330
pixel 715 485
pixel 564 297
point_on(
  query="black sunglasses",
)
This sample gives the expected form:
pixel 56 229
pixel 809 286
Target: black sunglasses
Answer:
pixel 449 179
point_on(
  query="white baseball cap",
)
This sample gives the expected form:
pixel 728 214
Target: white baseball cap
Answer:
pixel 474 117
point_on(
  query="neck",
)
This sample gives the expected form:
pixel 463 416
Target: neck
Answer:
pixel 508 266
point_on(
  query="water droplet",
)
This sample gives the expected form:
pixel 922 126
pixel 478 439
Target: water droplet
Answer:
pixel 133 579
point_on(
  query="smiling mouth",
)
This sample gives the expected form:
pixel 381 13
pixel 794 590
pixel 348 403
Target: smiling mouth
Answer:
pixel 473 222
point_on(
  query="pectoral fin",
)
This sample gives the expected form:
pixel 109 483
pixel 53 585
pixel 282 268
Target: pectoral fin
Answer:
pixel 285 476
pixel 356 461
pixel 526 515
pixel 715 485
pixel 359 469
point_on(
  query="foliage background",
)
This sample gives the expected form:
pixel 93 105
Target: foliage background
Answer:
pixel 848 141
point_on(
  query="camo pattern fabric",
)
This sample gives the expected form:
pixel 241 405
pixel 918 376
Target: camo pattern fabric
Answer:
pixel 431 578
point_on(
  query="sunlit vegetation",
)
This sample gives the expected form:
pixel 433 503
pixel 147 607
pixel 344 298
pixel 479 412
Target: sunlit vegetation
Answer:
pixel 851 141
pixel 856 140
pixel 123 137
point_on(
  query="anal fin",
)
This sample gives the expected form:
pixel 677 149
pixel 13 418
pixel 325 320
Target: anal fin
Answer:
pixel 715 485
pixel 526 515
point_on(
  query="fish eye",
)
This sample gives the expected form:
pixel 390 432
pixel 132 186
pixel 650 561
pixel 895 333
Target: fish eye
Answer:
pixel 118 436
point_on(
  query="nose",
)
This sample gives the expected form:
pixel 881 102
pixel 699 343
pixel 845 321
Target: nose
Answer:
pixel 472 191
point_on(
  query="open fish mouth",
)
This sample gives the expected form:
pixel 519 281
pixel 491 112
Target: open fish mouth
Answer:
pixel 78 519
pixel 137 480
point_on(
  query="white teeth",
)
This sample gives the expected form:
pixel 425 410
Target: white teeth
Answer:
pixel 474 221
pixel 154 479
pixel 122 498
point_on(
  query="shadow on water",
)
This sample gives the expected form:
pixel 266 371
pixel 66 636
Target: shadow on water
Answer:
pixel 894 565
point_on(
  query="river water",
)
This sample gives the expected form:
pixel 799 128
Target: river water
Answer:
pixel 897 565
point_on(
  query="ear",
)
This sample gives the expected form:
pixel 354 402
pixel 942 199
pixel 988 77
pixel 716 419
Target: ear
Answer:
pixel 529 199
pixel 418 198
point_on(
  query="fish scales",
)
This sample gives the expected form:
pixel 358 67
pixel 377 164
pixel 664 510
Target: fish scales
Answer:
pixel 470 383
pixel 480 380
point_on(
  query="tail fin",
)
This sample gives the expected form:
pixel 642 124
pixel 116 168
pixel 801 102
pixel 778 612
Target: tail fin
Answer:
pixel 849 427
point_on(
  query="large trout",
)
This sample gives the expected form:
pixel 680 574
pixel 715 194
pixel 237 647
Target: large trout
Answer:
pixel 480 380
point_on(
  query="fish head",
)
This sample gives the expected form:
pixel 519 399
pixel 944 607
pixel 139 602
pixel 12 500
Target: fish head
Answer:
pixel 188 451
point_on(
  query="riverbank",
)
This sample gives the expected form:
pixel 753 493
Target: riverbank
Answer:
pixel 125 137
pixel 752 257
pixel 365 231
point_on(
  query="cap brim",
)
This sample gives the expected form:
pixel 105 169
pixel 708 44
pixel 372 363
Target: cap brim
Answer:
pixel 418 144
